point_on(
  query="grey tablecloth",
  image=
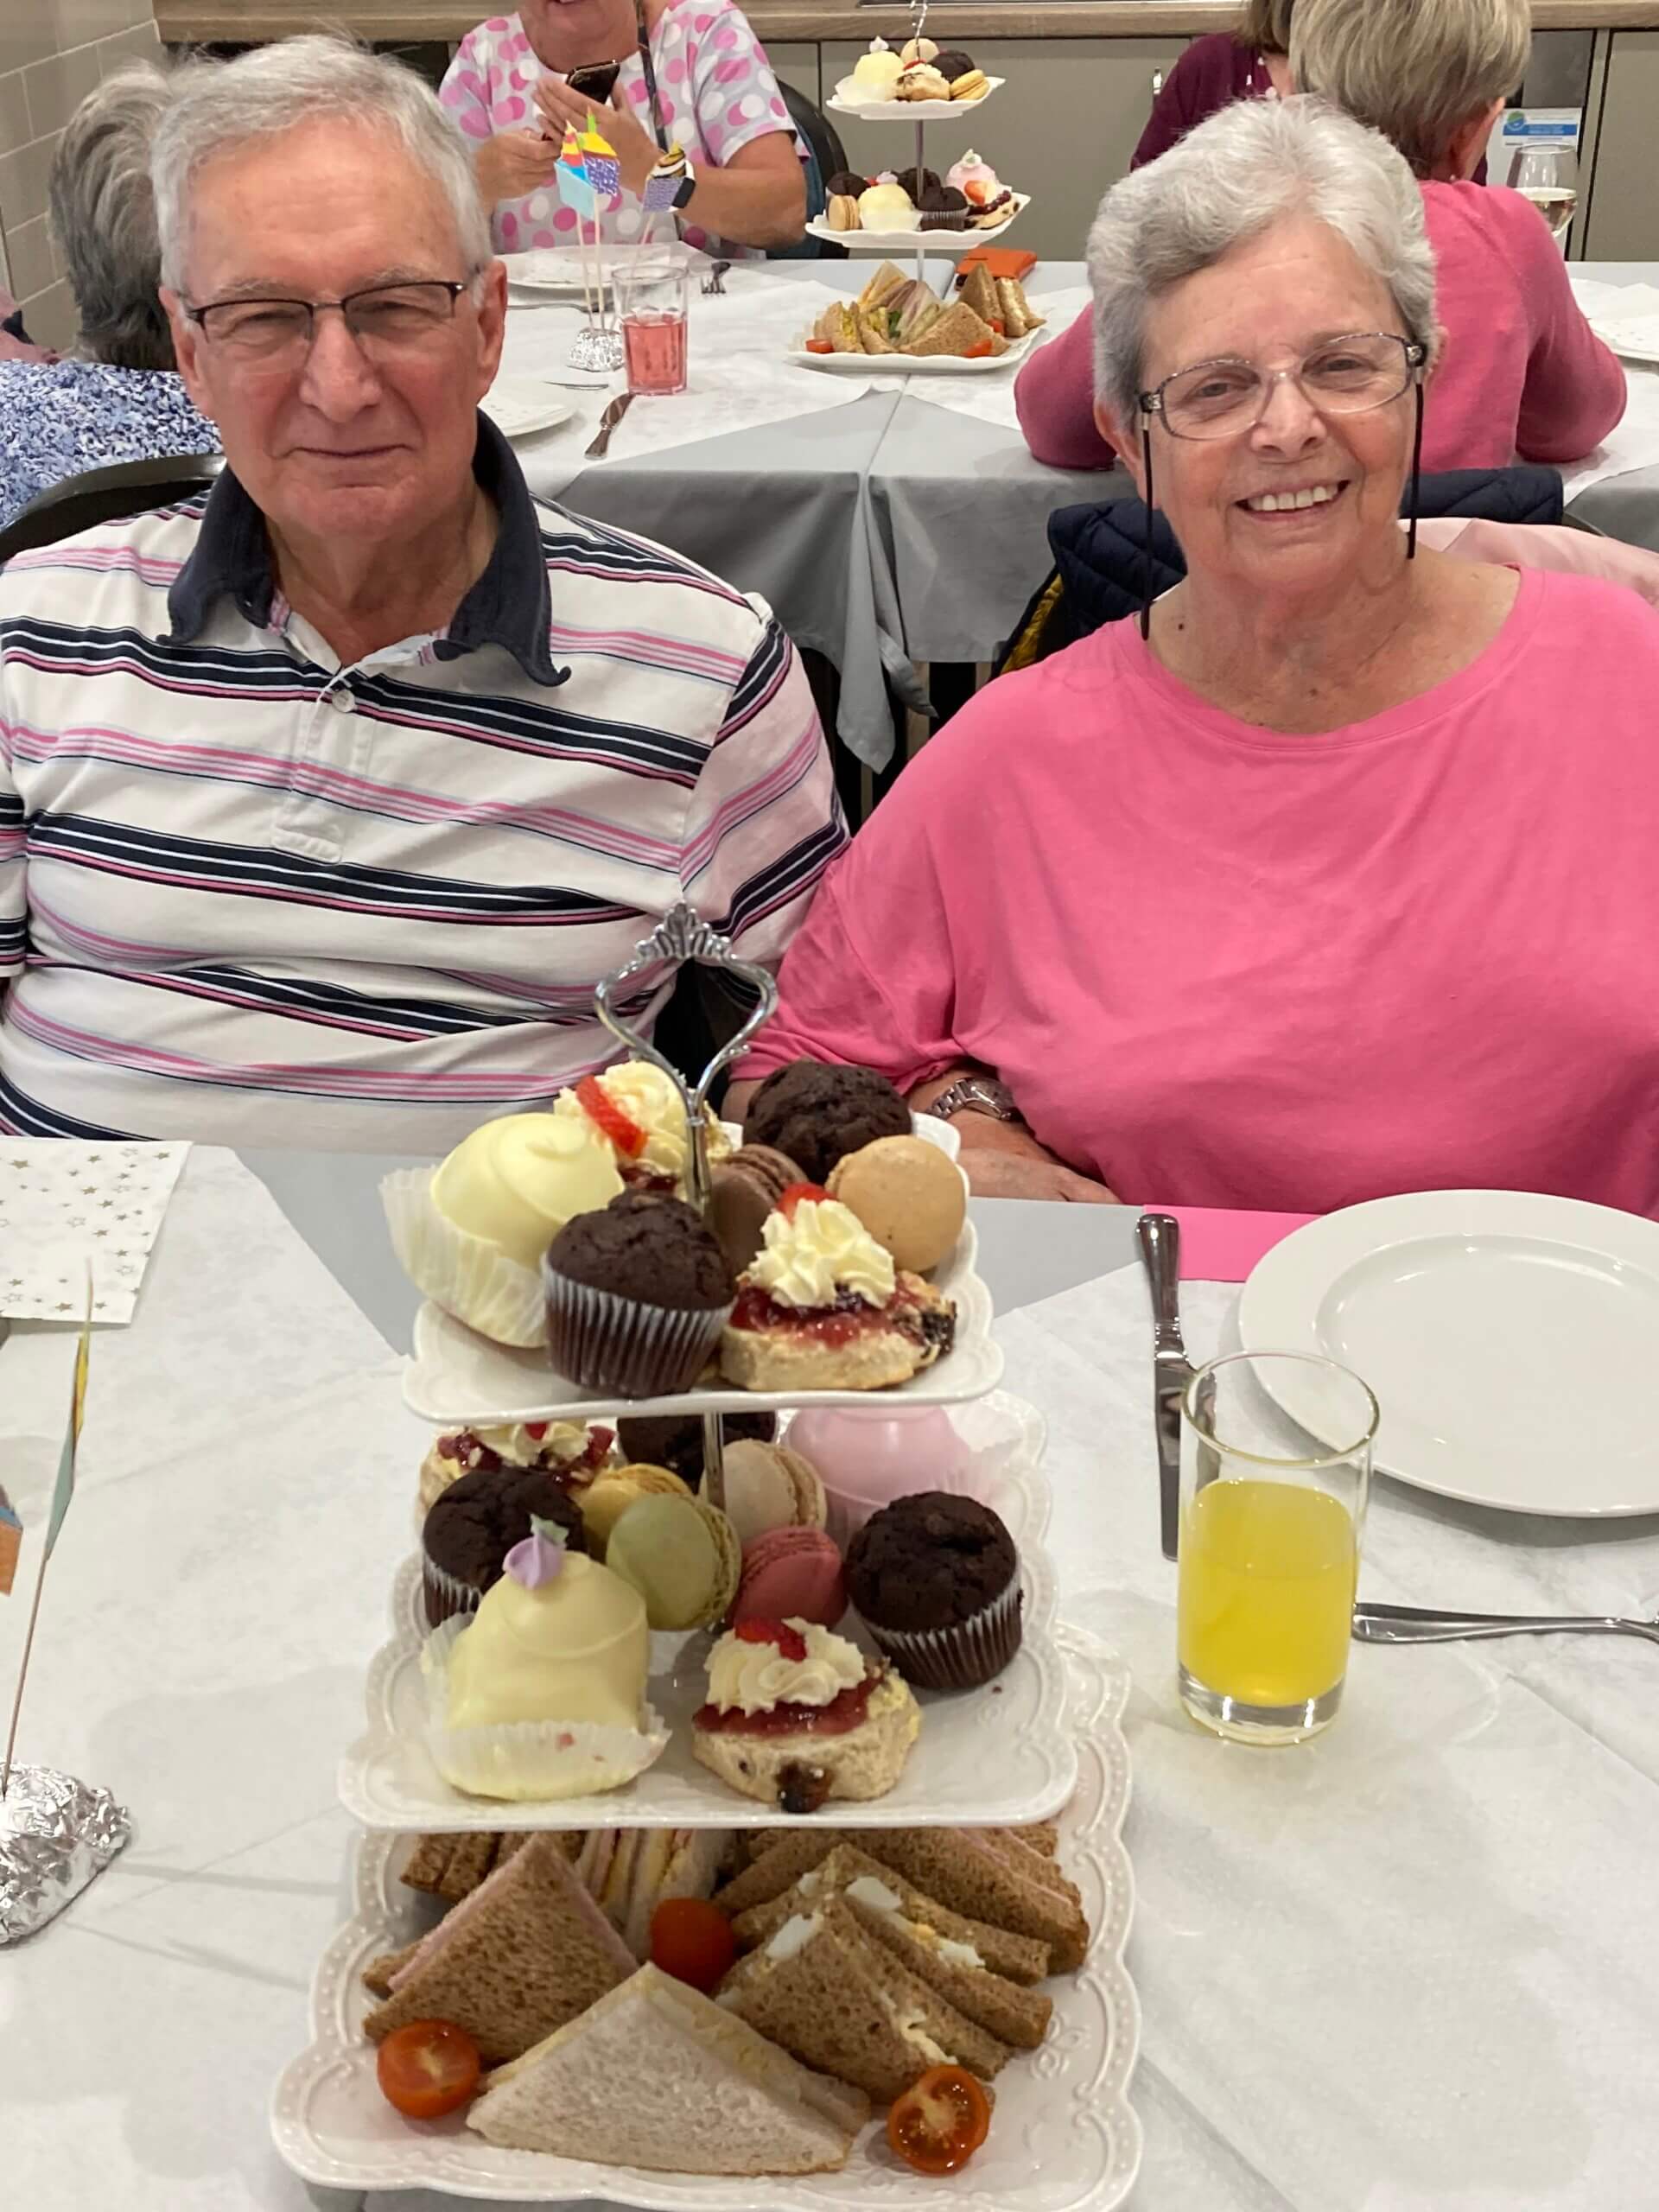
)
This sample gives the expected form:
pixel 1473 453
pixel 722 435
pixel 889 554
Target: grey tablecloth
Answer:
pixel 891 531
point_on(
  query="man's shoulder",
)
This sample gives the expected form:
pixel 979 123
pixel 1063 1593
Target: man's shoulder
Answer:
pixel 116 571
pixel 590 563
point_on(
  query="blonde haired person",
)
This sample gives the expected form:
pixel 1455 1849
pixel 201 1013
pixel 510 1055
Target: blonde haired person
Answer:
pixel 1521 371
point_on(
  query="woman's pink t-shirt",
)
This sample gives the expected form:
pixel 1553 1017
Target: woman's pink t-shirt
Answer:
pixel 1522 372
pixel 1223 967
pixel 713 79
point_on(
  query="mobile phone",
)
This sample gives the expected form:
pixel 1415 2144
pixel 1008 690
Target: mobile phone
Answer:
pixel 594 81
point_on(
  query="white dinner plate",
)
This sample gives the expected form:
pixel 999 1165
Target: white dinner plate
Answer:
pixel 908 111
pixel 953 243
pixel 560 268
pixel 922 365
pixel 1000 1756
pixel 1064 2138
pixel 519 406
pixel 1510 1338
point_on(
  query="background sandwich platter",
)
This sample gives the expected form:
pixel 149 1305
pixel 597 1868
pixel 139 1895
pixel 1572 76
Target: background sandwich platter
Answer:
pixel 994 1757
pixel 1063 2136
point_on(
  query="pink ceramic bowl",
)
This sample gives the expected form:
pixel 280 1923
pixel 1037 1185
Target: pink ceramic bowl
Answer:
pixel 867 1459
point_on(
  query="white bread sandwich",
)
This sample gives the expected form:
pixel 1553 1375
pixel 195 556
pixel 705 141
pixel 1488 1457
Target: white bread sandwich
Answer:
pixel 656 2075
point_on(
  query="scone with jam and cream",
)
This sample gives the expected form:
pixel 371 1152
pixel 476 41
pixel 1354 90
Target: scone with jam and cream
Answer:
pixel 570 1450
pixel 797 1715
pixel 822 1307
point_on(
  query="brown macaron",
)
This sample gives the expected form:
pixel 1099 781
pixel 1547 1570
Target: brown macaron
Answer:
pixel 742 1191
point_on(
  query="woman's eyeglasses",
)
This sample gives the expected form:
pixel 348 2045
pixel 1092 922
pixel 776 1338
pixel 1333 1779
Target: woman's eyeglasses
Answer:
pixel 1341 376
pixel 385 319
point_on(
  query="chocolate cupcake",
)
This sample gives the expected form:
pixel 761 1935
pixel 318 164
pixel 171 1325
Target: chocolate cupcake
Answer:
pixel 637 1296
pixel 676 1440
pixel 846 184
pixel 954 63
pixel 917 182
pixel 817 1114
pixel 935 1580
pixel 476 1523
pixel 944 209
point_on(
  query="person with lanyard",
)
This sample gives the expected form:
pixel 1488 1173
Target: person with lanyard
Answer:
pixel 692 73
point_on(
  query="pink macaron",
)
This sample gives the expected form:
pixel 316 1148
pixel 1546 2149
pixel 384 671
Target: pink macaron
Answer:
pixel 791 1574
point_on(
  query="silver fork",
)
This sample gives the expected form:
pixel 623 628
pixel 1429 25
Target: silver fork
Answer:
pixel 714 282
pixel 1424 1625
pixel 608 422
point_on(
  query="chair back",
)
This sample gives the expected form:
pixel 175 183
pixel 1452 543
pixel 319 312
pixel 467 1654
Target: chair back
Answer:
pixel 825 157
pixel 123 487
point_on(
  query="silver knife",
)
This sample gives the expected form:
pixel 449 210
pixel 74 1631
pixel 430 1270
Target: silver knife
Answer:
pixel 608 422
pixel 1160 1234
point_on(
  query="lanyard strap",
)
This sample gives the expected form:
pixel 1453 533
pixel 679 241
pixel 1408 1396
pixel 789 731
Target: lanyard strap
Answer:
pixel 650 68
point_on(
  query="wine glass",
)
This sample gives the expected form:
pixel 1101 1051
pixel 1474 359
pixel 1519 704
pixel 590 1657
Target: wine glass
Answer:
pixel 1549 176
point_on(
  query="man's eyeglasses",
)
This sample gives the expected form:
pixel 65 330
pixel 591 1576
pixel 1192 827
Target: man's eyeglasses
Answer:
pixel 385 319
pixel 1342 376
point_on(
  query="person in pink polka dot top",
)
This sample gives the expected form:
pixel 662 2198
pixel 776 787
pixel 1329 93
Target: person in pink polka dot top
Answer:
pixel 716 96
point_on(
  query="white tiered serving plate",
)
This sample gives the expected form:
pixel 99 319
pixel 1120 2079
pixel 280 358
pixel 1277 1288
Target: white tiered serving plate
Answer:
pixel 995 1755
pixel 926 365
pixel 951 244
pixel 908 111
pixel 1063 2136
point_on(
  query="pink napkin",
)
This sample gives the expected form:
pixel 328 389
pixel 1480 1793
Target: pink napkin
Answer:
pixel 1220 1246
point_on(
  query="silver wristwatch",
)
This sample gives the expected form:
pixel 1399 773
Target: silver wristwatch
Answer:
pixel 976 1094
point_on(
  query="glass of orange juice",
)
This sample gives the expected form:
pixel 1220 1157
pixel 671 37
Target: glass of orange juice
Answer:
pixel 1271 1514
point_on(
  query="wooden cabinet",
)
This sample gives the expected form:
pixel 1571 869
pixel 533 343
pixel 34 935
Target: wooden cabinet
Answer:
pixel 1622 223
pixel 1062 128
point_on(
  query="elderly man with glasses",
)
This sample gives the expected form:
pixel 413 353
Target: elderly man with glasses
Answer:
pixel 325 802
pixel 1333 879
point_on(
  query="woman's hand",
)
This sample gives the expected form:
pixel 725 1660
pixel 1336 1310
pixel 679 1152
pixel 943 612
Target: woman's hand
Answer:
pixel 636 150
pixel 513 163
pixel 1002 1160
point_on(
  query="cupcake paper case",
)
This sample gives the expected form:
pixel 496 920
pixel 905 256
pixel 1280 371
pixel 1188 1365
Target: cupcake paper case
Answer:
pixel 935 1580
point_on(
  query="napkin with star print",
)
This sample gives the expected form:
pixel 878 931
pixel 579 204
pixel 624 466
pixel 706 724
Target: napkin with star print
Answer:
pixel 66 1207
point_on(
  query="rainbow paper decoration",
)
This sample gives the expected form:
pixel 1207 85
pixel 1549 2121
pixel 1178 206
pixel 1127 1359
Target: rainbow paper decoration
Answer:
pixel 11 1543
pixel 667 176
pixel 571 176
pixel 598 158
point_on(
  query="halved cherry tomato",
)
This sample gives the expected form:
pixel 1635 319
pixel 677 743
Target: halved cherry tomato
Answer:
pixel 624 1132
pixel 819 345
pixel 693 1941
pixel 940 2121
pixel 980 352
pixel 999 326
pixel 428 2069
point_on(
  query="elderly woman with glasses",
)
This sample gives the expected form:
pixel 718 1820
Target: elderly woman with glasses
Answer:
pixel 1334 878
pixel 1521 371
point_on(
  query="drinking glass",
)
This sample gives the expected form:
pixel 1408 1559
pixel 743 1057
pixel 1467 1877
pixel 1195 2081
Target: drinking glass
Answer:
pixel 650 298
pixel 1549 176
pixel 1271 1513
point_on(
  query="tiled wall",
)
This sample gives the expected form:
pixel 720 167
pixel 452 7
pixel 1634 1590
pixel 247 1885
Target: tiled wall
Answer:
pixel 52 52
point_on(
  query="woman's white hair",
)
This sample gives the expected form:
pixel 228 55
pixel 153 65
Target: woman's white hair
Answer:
pixel 104 217
pixel 1254 164
pixel 222 107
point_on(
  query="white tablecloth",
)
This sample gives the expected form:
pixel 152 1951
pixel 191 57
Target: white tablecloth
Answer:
pixel 1403 1969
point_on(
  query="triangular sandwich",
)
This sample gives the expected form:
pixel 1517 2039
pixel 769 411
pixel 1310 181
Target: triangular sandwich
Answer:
pixel 872 329
pixel 656 2075
pixel 887 281
pixel 959 330
pixel 848 2006
pixel 978 291
pixel 525 1953
pixel 1016 1958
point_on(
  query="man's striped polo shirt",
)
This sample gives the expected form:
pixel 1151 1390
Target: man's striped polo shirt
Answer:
pixel 249 896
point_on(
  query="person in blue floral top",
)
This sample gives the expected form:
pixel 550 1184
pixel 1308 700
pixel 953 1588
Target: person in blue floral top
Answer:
pixel 118 398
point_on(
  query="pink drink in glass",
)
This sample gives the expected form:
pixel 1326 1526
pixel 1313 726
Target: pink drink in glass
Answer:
pixel 654 339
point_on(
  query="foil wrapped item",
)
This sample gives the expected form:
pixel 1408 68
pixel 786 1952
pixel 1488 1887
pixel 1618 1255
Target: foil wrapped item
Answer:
pixel 56 1836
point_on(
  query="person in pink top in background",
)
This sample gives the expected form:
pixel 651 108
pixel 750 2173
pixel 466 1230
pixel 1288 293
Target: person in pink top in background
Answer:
pixel 693 74
pixel 1248 63
pixel 1339 880
pixel 1521 371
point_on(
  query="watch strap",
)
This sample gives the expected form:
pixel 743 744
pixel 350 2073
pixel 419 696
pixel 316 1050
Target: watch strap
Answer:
pixel 976 1094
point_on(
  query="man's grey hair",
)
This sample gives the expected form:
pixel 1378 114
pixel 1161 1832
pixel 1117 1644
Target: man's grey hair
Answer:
pixel 224 107
pixel 1255 163
pixel 103 217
